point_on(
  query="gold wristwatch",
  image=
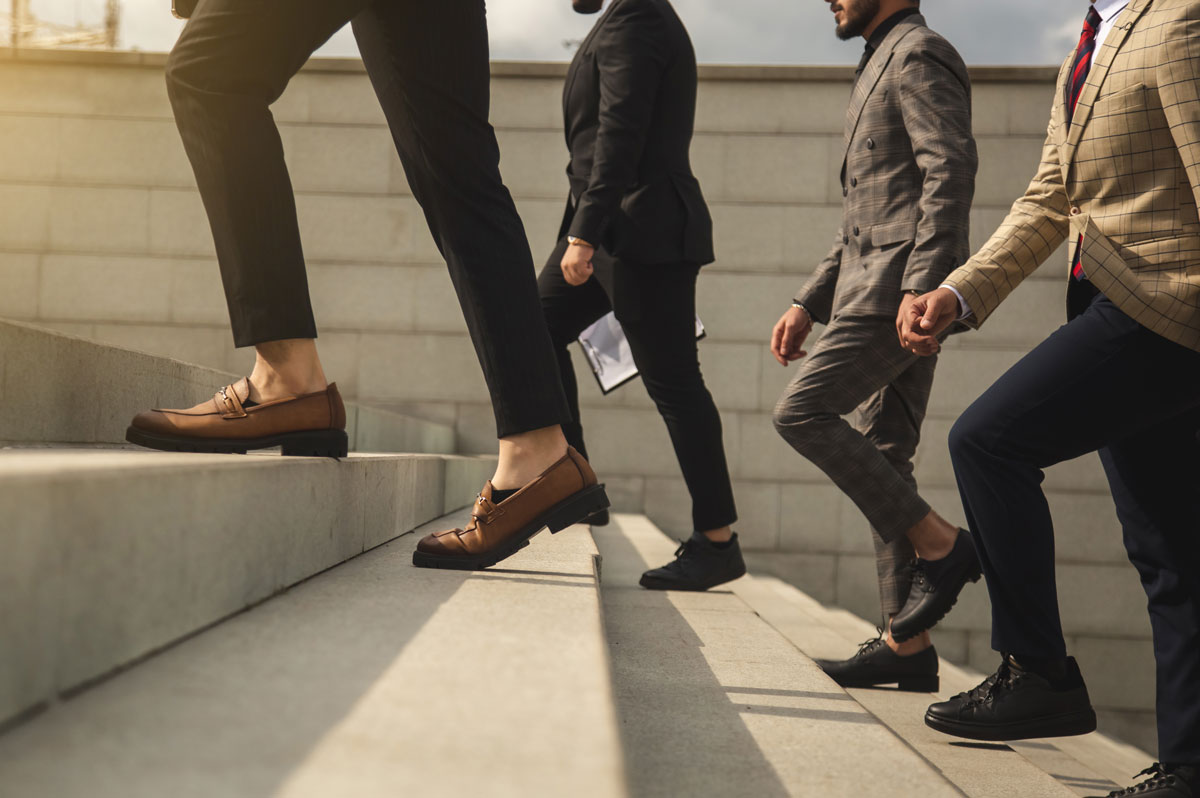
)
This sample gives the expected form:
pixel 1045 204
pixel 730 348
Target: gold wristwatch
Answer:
pixel 577 241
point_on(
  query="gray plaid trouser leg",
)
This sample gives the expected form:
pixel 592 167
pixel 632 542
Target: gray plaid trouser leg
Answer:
pixel 859 364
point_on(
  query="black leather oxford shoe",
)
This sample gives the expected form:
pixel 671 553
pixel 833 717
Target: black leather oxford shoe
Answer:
pixel 876 664
pixel 698 565
pixel 935 587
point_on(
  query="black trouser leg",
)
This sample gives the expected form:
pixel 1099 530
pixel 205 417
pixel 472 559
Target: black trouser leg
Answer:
pixel 656 306
pixel 569 310
pixel 1155 479
pixel 231 62
pixel 1097 381
pixel 429 64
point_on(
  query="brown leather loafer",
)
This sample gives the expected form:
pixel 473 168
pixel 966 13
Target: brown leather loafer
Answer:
pixel 565 494
pixel 312 425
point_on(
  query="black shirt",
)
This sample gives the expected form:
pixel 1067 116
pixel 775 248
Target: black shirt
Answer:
pixel 880 33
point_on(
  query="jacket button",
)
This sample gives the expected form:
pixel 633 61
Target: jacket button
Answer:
pixel 854 182
pixel 1075 211
pixel 870 144
pixel 845 239
pixel 845 191
pixel 856 232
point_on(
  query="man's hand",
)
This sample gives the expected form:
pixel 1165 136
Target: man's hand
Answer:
pixel 577 263
pixel 922 318
pixel 789 334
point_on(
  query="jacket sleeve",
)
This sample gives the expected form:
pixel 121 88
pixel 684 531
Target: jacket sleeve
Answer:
pixel 817 294
pixel 1036 225
pixel 631 58
pixel 935 104
pixel 1179 92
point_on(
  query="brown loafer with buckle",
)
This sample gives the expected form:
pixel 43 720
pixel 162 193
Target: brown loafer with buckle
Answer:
pixel 312 425
pixel 565 494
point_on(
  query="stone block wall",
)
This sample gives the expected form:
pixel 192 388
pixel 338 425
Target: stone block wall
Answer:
pixel 102 234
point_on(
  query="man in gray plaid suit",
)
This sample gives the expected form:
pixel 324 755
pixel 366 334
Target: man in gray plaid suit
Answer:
pixel 908 179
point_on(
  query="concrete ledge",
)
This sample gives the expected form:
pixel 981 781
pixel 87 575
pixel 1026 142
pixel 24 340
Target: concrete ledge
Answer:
pixel 111 555
pixel 58 388
pixel 374 679
pixel 531 69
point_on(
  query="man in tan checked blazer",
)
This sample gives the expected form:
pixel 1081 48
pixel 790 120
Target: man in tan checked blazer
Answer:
pixel 1119 181
pixel 908 178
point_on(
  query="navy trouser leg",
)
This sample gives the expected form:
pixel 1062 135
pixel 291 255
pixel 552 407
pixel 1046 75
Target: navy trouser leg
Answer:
pixel 1098 380
pixel 1155 479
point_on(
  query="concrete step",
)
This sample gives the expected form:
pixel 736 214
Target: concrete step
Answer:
pixel 61 388
pixel 714 701
pixel 1088 765
pixel 110 555
pixel 374 679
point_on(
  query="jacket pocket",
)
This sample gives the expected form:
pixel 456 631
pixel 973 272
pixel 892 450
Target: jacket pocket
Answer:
pixel 881 235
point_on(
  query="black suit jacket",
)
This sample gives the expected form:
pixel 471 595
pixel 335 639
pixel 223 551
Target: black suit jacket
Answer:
pixel 630 106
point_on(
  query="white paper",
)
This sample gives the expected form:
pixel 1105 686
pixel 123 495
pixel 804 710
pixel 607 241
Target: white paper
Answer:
pixel 607 352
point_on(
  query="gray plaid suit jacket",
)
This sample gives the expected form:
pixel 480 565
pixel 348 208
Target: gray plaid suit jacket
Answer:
pixel 1125 174
pixel 908 178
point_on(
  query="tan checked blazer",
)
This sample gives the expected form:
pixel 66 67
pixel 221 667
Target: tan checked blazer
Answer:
pixel 1125 174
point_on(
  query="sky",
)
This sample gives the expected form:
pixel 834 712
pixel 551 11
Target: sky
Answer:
pixel 986 32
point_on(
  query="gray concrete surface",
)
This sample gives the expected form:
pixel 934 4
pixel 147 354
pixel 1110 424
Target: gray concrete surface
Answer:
pixel 56 387
pixel 1036 768
pixel 112 554
pixel 374 679
pixel 713 701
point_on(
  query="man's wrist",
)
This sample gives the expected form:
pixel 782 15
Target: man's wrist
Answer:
pixel 964 310
pixel 576 241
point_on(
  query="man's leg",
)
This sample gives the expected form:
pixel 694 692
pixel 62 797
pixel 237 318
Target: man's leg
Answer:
pixel 656 306
pixel 1098 380
pixel 428 62
pixel 1154 476
pixel 231 62
pixel 569 310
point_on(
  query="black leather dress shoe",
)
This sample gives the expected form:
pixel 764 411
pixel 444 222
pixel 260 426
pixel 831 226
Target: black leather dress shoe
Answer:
pixel 876 663
pixel 698 565
pixel 1164 781
pixel 935 587
pixel 1016 704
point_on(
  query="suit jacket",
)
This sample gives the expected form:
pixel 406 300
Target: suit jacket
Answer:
pixel 1124 174
pixel 908 178
pixel 630 106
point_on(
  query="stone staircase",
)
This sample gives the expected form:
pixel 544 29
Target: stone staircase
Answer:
pixel 195 625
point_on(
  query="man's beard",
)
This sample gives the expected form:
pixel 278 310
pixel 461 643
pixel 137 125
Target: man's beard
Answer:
pixel 586 6
pixel 857 19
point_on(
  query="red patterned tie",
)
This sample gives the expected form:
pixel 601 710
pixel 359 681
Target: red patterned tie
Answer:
pixel 1074 88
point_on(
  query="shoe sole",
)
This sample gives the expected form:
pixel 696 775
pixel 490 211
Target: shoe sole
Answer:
pixel 908 634
pixel 1067 725
pixel 909 684
pixel 651 583
pixel 308 443
pixel 572 510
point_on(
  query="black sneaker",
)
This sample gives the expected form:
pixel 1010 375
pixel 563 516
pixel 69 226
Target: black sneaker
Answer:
pixel 1182 781
pixel 699 564
pixel 876 663
pixel 1017 704
pixel 935 588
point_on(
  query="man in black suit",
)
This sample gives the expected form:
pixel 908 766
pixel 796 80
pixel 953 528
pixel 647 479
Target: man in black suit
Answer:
pixel 635 234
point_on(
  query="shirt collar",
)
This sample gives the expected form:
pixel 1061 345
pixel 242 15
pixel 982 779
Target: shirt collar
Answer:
pixel 1108 9
pixel 889 24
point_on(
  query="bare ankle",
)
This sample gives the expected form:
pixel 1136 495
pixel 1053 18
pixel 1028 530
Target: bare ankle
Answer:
pixel 722 535
pixel 525 456
pixel 933 537
pixel 286 368
pixel 911 646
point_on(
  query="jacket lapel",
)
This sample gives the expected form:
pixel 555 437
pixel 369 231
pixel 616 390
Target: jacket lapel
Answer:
pixel 577 61
pixel 1099 71
pixel 867 81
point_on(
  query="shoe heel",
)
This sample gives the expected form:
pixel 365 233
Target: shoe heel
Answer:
pixel 578 507
pixel 920 684
pixel 316 443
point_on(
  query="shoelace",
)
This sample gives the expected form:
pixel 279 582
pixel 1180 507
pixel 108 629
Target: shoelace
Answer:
pixel 1159 777
pixel 919 577
pixel 871 644
pixel 686 547
pixel 991 687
